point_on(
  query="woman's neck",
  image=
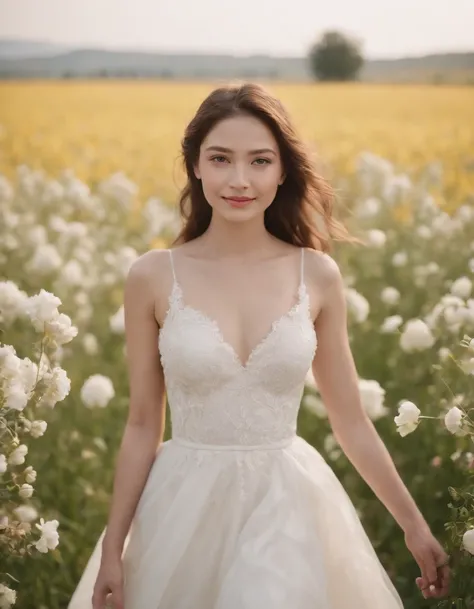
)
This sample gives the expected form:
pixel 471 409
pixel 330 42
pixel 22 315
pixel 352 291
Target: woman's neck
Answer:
pixel 231 239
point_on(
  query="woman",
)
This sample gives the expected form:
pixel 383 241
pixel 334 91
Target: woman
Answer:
pixel 236 511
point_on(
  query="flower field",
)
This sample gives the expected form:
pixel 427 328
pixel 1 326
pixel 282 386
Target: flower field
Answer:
pixel 89 174
pixel 99 128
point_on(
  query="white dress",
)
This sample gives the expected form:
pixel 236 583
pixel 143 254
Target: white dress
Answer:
pixel 239 512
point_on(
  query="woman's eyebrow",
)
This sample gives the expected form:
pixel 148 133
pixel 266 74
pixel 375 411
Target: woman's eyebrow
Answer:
pixel 228 150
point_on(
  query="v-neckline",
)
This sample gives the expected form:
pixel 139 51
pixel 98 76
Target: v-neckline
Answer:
pixel 176 296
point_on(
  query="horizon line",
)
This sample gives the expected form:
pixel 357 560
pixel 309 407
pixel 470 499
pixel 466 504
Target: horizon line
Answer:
pixel 67 47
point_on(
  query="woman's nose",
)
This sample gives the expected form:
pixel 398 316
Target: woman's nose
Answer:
pixel 238 178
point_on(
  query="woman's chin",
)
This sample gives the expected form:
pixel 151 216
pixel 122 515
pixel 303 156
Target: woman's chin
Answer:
pixel 236 214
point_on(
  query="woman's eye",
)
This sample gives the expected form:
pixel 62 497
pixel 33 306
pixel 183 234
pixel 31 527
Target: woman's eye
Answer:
pixel 223 159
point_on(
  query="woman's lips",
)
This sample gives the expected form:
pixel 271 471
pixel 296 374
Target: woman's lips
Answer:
pixel 239 201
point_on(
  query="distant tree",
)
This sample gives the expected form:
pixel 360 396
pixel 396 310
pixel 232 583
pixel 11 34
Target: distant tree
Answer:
pixel 336 57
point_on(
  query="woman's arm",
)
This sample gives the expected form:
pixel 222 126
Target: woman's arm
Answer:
pixel 145 424
pixel 337 380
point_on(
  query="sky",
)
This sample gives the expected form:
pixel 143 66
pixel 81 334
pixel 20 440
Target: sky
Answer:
pixel 387 28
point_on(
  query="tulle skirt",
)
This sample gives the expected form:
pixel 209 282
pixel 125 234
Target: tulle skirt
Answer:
pixel 229 528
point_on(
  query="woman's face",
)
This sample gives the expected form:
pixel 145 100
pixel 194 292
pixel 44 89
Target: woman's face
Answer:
pixel 240 168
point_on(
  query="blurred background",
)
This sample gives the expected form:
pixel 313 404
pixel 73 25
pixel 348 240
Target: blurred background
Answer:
pixel 94 99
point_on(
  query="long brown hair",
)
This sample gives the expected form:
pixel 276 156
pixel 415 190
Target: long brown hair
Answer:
pixel 303 200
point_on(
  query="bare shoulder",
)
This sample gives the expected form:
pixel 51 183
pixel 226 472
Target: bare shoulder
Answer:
pixel 322 270
pixel 153 261
pixel 148 272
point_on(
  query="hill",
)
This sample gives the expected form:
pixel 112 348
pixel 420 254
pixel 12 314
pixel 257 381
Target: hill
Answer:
pixel 20 59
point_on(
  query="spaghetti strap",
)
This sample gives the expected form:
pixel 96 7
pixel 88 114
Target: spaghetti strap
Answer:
pixel 172 266
pixel 302 268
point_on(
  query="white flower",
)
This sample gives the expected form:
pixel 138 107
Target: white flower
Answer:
pixel 314 405
pixel 368 162
pixel 77 230
pixel 46 260
pixel 57 224
pixel 12 301
pixel 6 189
pixel 416 336
pixel 462 288
pixel 372 397
pixel 432 268
pixel 465 213
pixel 7 597
pixel 158 217
pixel 357 304
pixel 81 299
pixel 391 324
pixel 396 187
pixel 408 418
pixel 100 443
pixel 90 344
pixel 331 446
pixel 49 535
pixel 400 259
pixel 42 308
pixel 470 312
pixel 87 454
pixel 468 541
pixel 17 457
pixel 58 387
pixel 72 274
pixel 30 474
pixel 376 237
pixel 124 259
pixel 10 219
pixel 10 364
pixel 53 192
pixel 451 308
pixel 109 278
pixel 29 373
pixel 60 329
pixel 443 224
pixel 15 397
pixel 84 253
pixel 76 192
pixel 36 236
pixel 390 296
pixel 10 242
pixel 454 315
pixel 25 513
pixel 26 491
pixel 3 464
pixel 453 420
pixel 467 365
pixel 368 208
pixel 424 232
pixel 444 353
pixel 119 188
pixel 38 428
pixel 97 391
pixel 117 321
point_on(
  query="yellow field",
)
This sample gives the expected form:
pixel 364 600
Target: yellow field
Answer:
pixel 101 127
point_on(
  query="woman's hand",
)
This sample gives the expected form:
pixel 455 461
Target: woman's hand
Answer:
pixel 432 560
pixel 108 589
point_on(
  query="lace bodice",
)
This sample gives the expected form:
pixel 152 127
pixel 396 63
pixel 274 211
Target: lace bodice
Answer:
pixel 214 398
